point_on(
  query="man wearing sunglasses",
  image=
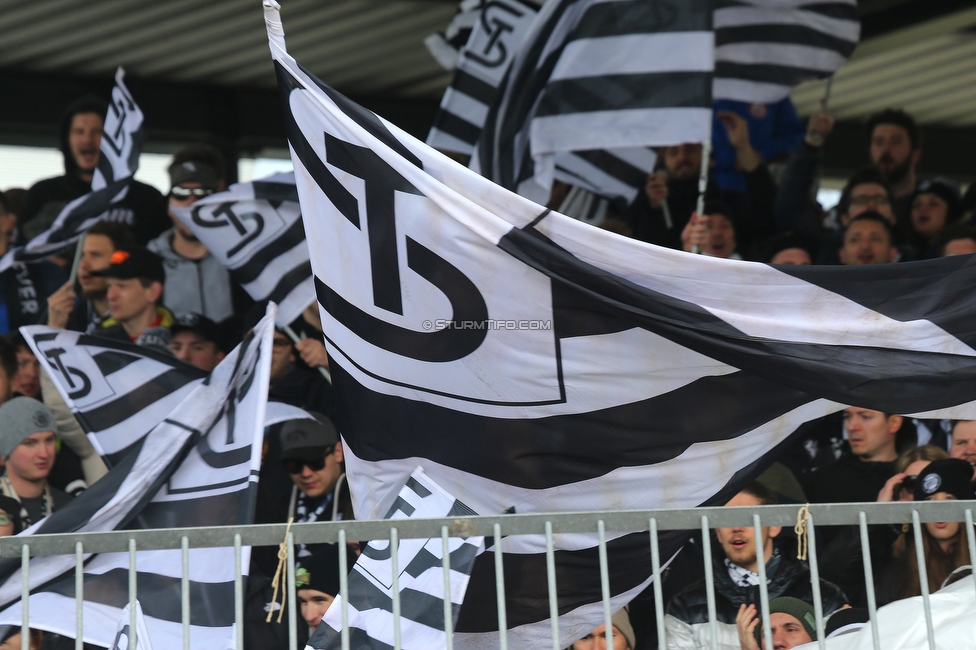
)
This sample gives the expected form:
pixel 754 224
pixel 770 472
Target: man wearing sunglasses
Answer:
pixel 312 455
pixel 195 281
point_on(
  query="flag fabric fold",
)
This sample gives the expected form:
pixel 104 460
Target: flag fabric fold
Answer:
pixel 198 467
pixel 598 75
pixel 118 161
pixel 420 580
pixel 119 391
pixel 255 230
pixel 532 363
pixel 123 634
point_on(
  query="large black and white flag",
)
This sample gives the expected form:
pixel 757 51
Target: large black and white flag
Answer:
pixel 598 75
pixel 198 467
pixel 118 161
pixel 532 363
pixel 255 230
pixel 118 391
pixel 420 579
pixel 763 48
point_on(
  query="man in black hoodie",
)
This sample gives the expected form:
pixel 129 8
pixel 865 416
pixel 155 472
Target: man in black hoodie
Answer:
pixel 143 209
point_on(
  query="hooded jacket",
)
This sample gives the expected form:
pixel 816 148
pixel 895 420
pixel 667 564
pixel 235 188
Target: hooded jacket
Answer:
pixel 143 209
pixel 201 286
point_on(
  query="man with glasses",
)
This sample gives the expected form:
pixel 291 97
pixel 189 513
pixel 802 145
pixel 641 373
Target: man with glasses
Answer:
pixel 195 281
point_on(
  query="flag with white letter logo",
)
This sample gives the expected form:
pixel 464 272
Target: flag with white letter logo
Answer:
pixel 197 467
pixel 255 230
pixel 666 380
pixel 118 161
pixel 420 581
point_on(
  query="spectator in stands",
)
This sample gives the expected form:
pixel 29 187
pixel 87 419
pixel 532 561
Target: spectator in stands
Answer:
pixel 312 455
pixel 195 280
pixel 712 235
pixel 792 622
pixel 143 209
pixel 293 382
pixel 860 475
pixel 868 239
pixel 842 560
pixel 964 441
pixel 27 446
pixel 35 640
pixel 944 543
pixel 623 635
pixel 958 240
pixel 196 339
pixel 8 368
pixel 27 379
pixel 737 581
pixel 135 279
pixel 935 206
pixel 774 131
pixel 661 212
pixel 896 148
pixel 791 249
pixel 64 310
pixel 795 208
pixel 317 582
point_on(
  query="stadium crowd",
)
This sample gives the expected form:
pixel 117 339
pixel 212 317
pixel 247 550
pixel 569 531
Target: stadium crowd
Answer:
pixel 143 277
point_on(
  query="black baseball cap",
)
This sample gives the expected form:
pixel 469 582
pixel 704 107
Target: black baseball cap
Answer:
pixel 308 439
pixel 134 262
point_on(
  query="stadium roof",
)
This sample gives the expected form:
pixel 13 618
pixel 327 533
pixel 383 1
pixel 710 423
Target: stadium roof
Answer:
pixel 203 67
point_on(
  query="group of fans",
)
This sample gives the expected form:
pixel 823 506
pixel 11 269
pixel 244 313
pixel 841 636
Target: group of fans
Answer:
pixel 142 276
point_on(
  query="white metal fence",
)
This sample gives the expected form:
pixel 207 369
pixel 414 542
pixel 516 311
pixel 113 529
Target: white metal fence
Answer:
pixel 494 528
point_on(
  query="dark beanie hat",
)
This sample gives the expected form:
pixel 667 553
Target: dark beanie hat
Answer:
pixel 951 475
pixel 798 609
pixel 320 570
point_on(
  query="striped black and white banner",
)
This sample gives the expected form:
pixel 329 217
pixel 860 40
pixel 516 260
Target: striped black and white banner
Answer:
pixel 446 46
pixel 763 48
pixel 198 467
pixel 420 581
pixel 255 230
pixel 119 391
pixel 598 75
pixel 118 161
pixel 493 40
pixel 532 363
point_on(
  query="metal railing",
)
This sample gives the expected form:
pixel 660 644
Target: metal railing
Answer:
pixel 495 528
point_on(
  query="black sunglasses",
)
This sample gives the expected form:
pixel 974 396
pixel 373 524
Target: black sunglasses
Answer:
pixel 294 466
pixel 183 193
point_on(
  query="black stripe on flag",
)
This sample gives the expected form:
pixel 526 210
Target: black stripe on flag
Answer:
pixel 275 193
pixel 784 34
pixel 461 129
pixel 833 372
pixel 603 19
pixel 473 87
pixel 256 264
pixel 159 596
pixel 108 415
pixel 289 281
pixel 548 452
pixel 586 94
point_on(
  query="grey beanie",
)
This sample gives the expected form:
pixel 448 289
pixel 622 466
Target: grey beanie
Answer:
pixel 621 621
pixel 22 417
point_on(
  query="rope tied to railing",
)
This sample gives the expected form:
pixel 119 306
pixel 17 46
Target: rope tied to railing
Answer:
pixel 802 540
pixel 276 581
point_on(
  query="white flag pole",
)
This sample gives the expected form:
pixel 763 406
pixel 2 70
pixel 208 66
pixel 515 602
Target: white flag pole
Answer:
pixel 702 185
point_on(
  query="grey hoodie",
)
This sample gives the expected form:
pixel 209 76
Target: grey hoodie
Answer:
pixel 201 286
